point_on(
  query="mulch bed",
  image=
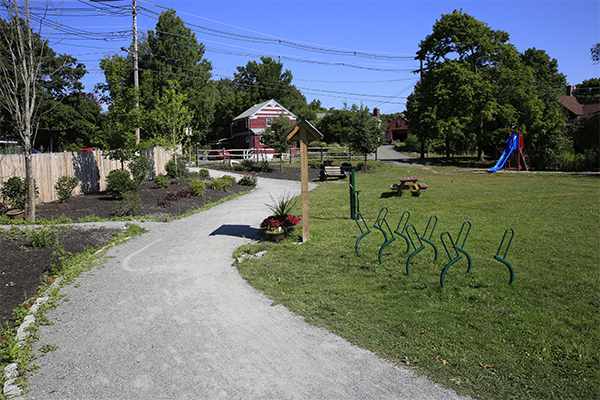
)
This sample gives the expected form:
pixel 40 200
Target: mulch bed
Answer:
pixel 23 266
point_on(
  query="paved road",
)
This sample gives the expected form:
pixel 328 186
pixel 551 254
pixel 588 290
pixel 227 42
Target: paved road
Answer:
pixel 168 317
pixel 388 154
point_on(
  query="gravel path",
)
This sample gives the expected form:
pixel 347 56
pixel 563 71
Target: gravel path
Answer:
pixel 168 317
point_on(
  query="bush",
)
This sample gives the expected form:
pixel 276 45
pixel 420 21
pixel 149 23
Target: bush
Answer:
pixel 162 182
pixel 412 143
pixel 64 187
pixel 246 165
pixel 176 169
pixel 129 205
pixel 317 164
pixel 229 179
pixel 197 187
pixel 223 184
pixel 249 179
pixel 204 173
pixel 140 167
pixel 43 237
pixel 317 143
pixel 14 192
pixel 118 183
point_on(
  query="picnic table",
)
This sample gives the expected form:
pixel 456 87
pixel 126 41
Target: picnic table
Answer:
pixel 409 183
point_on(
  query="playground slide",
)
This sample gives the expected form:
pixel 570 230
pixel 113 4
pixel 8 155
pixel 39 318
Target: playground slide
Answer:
pixel 505 155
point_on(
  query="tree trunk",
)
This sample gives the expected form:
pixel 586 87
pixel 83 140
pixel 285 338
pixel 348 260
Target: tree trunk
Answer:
pixel 30 187
pixel 422 148
pixel 479 153
pixel 447 147
pixel 365 162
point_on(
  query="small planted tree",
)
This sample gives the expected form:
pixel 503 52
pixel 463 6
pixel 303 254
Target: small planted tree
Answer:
pixel 365 133
pixel 64 187
pixel 274 136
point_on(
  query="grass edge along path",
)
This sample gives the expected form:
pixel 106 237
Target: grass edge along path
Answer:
pixel 535 339
pixel 16 341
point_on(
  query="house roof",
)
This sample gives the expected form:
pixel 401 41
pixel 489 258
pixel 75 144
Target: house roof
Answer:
pixel 581 107
pixel 257 107
pixel 392 124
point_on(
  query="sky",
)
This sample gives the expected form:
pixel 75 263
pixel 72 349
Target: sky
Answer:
pixel 319 38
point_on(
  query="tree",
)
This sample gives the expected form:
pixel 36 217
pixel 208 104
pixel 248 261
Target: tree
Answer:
pixel 595 53
pixel 172 116
pixel 229 103
pixel 476 87
pixel 123 117
pixel 29 75
pixel 74 123
pixel 266 81
pixel 335 125
pixel 365 134
pixel 171 53
pixel 588 88
pixel 274 136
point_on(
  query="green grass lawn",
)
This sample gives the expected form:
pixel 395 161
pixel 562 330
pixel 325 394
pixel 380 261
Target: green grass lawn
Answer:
pixel 537 338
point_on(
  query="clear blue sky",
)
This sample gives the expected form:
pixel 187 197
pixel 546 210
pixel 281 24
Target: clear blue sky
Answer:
pixel 391 30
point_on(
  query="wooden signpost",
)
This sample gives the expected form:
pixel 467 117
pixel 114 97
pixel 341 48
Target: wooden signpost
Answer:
pixel 304 133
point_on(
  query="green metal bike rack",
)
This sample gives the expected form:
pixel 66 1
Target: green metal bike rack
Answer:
pixel 503 258
pixel 364 232
pixel 400 232
pixel 379 224
pixel 425 238
pixel 453 260
pixel 461 248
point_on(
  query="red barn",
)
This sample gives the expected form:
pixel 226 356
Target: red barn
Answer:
pixel 397 129
pixel 247 127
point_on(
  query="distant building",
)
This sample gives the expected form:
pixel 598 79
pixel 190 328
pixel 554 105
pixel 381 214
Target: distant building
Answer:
pixel 397 130
pixel 247 127
pixel 579 107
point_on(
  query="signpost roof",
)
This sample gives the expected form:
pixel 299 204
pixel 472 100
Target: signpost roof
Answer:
pixel 303 130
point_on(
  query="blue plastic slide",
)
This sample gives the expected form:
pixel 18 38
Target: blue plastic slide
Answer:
pixel 511 144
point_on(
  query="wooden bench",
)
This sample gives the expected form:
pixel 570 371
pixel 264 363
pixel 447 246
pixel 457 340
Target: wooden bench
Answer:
pixel 333 171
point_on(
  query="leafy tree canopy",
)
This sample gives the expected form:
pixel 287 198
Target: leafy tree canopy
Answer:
pixel 588 88
pixel 267 80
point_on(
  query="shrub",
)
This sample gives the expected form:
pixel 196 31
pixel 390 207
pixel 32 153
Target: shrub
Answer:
pixel 43 237
pixel 14 192
pixel 229 179
pixel 64 187
pixel 249 179
pixel 176 169
pixel 223 184
pixel 162 182
pixel 197 187
pixel 245 165
pixel 204 173
pixel 118 183
pixel 140 167
pixel 317 164
pixel 412 143
pixel 129 205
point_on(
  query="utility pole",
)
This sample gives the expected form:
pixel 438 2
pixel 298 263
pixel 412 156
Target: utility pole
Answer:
pixel 136 82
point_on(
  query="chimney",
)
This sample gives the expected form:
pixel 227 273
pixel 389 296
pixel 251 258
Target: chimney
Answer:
pixel 570 90
pixel 376 113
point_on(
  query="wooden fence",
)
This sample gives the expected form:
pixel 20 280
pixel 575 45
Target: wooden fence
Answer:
pixel 90 167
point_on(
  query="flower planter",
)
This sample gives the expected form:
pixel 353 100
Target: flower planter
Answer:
pixel 15 214
pixel 275 236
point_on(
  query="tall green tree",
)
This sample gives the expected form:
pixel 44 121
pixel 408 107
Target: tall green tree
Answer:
pixel 229 103
pixel 122 117
pixel 267 80
pixel 33 79
pixel 335 125
pixel 588 88
pixel 274 136
pixel 365 133
pixel 476 87
pixel 172 116
pixel 171 53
